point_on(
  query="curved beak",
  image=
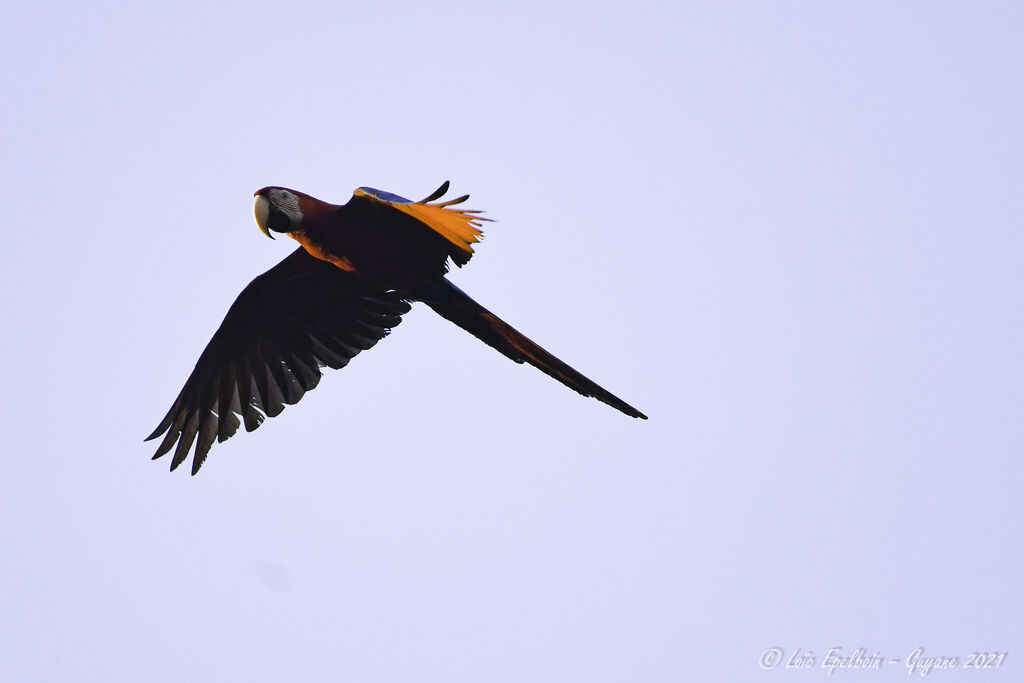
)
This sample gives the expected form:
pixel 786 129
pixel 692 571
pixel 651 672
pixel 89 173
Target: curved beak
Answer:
pixel 261 210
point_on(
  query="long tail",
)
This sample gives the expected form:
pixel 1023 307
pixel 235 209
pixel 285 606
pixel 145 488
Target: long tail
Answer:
pixel 452 303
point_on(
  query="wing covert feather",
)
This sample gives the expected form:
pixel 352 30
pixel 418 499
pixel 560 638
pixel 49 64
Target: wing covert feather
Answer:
pixel 460 228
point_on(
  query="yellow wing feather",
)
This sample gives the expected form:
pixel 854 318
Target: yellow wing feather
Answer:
pixel 461 227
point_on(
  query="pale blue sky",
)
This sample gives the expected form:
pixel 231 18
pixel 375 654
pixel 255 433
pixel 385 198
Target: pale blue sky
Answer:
pixel 789 232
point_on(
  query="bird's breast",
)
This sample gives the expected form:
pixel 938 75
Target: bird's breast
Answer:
pixel 317 249
pixel 393 257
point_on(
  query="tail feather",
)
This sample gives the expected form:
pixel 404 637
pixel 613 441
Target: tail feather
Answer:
pixel 452 303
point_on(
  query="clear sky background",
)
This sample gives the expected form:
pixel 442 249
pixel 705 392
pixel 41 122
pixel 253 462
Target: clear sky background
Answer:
pixel 791 233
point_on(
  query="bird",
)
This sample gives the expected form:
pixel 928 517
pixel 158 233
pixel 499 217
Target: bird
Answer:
pixel 358 268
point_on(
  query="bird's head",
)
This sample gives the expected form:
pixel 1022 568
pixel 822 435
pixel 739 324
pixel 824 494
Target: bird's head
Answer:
pixel 278 209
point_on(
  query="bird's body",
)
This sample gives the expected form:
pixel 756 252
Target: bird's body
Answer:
pixel 341 291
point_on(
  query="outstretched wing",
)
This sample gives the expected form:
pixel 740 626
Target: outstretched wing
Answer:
pixel 459 227
pixel 297 317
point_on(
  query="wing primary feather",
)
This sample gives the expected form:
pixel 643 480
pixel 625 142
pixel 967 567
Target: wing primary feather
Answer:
pixel 167 443
pixel 439 192
pixel 249 396
pixel 230 405
pixel 174 431
pixel 207 433
pixel 188 435
pixel 165 423
pixel 305 370
pixel 286 382
pixel 328 355
pixel 275 395
pixel 261 378
pixel 343 347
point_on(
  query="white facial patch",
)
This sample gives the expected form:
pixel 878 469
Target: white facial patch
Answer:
pixel 288 204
